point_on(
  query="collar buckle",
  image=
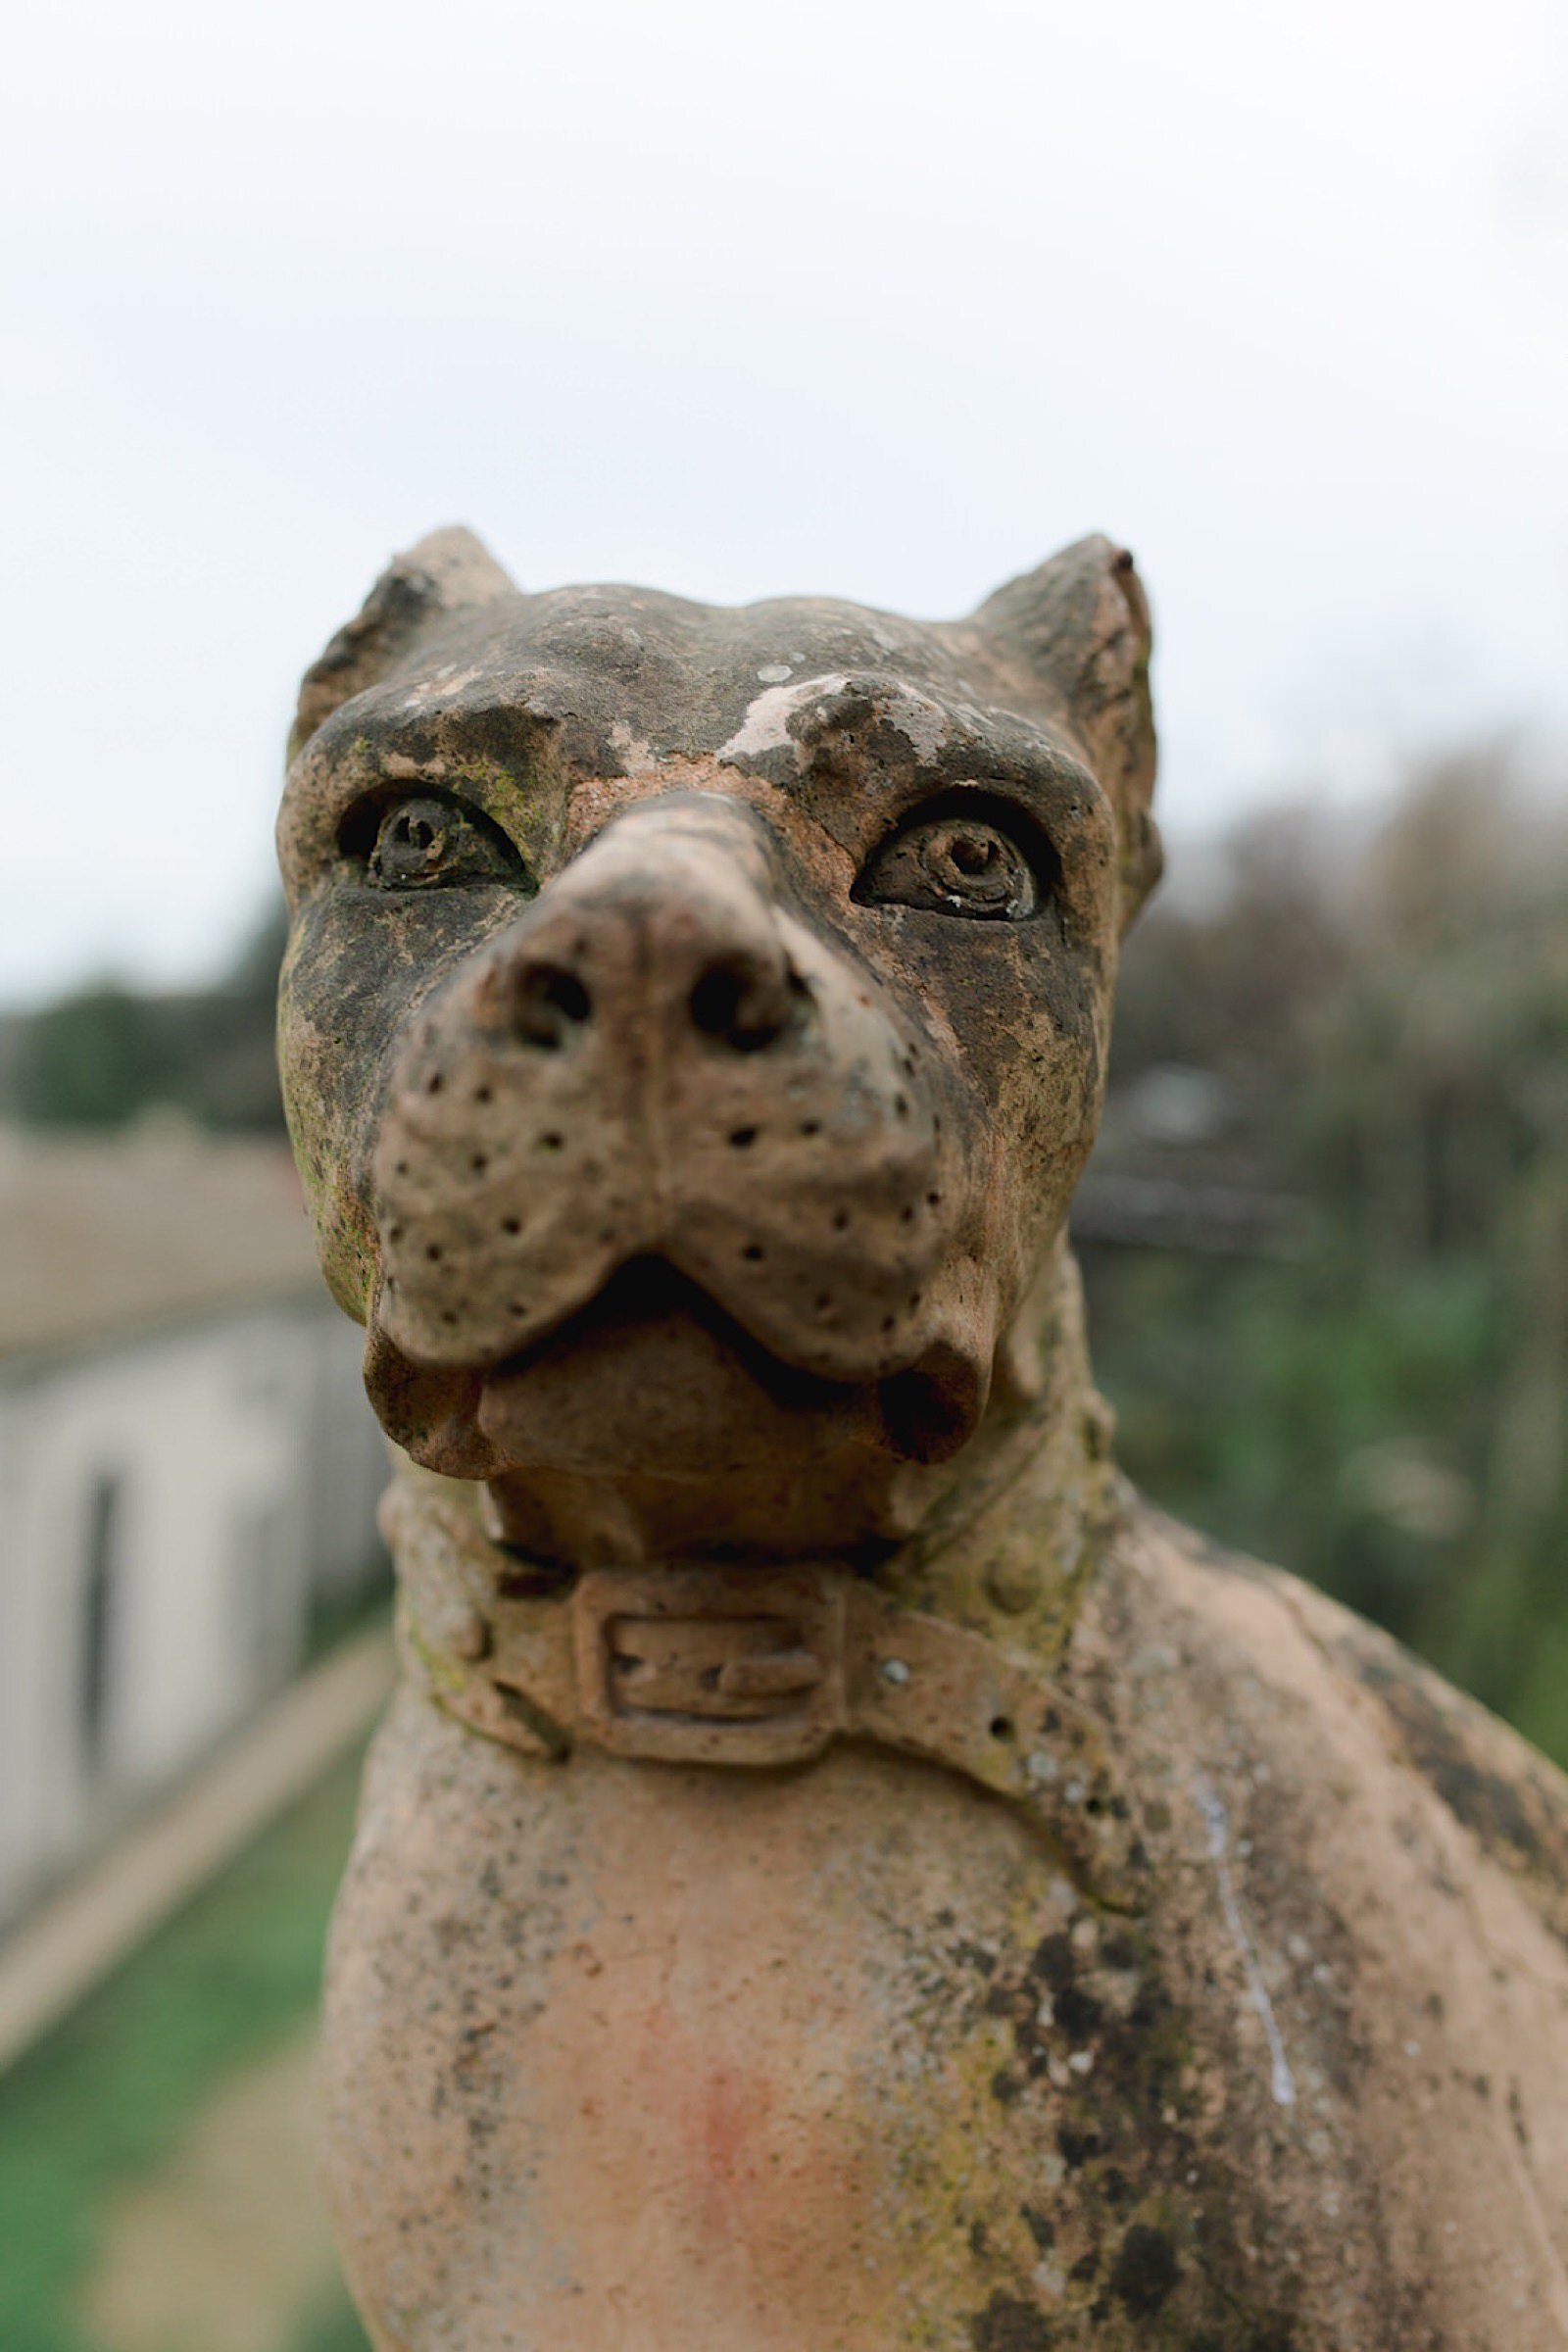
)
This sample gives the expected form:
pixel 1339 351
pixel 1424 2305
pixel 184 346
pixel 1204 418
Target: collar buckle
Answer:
pixel 710 1665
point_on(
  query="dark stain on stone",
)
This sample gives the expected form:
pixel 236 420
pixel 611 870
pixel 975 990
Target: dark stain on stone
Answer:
pixel 1521 1821
pixel 1053 1963
pixel 1145 2269
pixel 1078 2013
pixel 1039 2228
pixel 1008 2326
pixel 1516 2115
pixel 971 1955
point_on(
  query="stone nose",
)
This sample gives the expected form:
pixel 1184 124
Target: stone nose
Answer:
pixel 669 918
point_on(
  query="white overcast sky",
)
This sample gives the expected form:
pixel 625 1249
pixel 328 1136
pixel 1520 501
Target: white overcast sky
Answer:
pixel 884 298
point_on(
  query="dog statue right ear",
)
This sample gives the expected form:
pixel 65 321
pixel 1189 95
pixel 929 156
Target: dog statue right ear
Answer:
pixel 1075 640
pixel 445 573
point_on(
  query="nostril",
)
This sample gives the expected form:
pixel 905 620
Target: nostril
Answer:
pixel 743 1004
pixel 548 1002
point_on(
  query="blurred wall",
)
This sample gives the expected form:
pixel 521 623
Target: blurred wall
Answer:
pixel 178 1507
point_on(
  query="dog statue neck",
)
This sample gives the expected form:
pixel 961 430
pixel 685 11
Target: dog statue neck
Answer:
pixel 1007 1536
pixel 1002 1536
pixel 945 1647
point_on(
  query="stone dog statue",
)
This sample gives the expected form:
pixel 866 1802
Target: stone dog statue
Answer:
pixel 841 1873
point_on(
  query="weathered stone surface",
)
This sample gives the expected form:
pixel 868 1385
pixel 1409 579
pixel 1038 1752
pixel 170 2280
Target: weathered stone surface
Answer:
pixel 842 1873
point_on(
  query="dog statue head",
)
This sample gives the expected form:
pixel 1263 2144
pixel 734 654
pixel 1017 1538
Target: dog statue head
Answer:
pixel 694 1026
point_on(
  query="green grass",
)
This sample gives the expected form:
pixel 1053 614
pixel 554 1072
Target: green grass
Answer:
pixel 106 2096
pixel 332 2329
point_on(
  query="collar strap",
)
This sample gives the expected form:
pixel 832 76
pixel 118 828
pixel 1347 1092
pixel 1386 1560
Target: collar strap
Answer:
pixel 733 1666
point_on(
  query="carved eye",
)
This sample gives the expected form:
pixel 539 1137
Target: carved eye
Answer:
pixel 424 839
pixel 971 860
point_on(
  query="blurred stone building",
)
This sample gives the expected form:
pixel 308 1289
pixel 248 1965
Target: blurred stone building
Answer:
pixel 188 1472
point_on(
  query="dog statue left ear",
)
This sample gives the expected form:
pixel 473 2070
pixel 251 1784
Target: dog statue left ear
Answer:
pixel 447 570
pixel 1074 638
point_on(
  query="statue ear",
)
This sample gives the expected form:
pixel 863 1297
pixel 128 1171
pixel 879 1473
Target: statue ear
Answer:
pixel 446 571
pixel 1074 639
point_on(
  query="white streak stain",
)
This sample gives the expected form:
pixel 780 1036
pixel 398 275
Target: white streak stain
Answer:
pixel 766 726
pixel 637 756
pixel 1218 1823
pixel 923 723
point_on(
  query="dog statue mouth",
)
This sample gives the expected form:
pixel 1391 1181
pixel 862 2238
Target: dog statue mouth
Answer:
pixel 643 1296
pixel 653 1376
pixel 656 1373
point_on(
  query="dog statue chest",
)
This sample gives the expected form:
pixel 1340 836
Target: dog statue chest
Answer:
pixel 732 2055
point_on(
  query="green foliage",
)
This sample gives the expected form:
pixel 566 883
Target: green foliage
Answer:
pixel 105 2098
pixel 106 1054
pixel 1384 1409
pixel 91 1060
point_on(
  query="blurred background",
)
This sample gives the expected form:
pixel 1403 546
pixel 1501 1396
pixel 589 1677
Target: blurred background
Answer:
pixel 736 300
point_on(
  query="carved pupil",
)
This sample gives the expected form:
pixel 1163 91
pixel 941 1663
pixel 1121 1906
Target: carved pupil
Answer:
pixel 979 867
pixel 423 841
pixel 417 833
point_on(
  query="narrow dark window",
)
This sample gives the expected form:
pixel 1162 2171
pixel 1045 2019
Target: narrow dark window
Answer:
pixel 98 1614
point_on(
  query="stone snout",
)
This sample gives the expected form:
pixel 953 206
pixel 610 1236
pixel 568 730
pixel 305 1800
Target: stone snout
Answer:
pixel 665 1087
